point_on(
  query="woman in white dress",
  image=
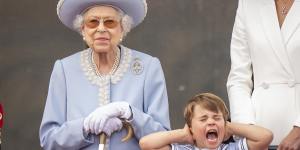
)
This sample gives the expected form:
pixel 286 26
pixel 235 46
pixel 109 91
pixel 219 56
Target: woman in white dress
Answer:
pixel 264 81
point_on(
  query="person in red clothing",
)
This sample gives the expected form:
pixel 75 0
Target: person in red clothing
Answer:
pixel 1 123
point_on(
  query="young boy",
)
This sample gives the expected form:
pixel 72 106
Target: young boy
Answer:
pixel 206 128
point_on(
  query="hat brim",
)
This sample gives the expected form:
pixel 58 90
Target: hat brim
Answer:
pixel 67 10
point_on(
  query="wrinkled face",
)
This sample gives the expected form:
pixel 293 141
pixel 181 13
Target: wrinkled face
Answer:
pixel 207 127
pixel 107 20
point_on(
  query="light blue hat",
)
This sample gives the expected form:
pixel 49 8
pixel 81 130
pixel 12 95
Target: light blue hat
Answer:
pixel 67 10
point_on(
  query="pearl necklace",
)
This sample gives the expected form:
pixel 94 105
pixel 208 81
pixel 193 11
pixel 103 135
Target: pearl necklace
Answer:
pixel 90 71
pixel 113 69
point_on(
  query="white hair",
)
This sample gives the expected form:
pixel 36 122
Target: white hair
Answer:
pixel 126 22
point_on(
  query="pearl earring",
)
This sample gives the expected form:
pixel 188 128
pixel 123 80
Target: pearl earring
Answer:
pixel 83 38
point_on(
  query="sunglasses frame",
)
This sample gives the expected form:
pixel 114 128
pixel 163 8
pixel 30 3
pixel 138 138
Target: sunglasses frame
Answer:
pixel 94 22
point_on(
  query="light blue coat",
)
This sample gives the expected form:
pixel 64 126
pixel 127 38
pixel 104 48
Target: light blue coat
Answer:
pixel 72 97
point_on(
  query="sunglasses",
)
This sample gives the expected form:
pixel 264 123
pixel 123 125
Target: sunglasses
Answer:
pixel 95 22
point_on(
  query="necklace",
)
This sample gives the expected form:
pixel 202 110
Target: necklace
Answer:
pixel 113 69
pixel 285 7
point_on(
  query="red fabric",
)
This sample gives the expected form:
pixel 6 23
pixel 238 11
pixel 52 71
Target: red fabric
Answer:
pixel 1 116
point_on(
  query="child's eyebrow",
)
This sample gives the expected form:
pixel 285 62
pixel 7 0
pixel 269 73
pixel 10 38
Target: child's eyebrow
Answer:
pixel 206 116
pixel 217 115
pixel 203 116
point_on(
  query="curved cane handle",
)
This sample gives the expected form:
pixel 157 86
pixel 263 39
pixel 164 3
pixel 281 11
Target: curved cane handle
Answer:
pixel 129 134
pixel 129 129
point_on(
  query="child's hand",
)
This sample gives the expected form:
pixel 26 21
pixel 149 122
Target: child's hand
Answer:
pixel 228 132
pixel 188 138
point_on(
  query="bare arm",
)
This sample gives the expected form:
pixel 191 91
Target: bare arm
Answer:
pixel 292 140
pixel 257 137
pixel 162 140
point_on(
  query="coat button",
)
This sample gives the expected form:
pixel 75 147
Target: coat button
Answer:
pixel 291 84
pixel 265 85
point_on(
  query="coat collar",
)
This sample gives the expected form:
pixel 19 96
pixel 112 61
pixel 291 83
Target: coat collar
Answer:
pixel 277 37
pixel 90 72
pixel 292 22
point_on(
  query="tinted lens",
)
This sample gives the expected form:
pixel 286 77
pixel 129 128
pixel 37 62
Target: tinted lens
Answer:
pixel 92 23
pixel 110 23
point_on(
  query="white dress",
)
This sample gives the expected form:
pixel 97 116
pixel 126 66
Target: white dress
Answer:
pixel 259 47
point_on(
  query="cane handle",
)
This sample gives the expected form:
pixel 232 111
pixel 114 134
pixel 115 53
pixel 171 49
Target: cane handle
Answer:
pixel 129 129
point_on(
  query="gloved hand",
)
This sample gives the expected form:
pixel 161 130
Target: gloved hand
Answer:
pixel 112 125
pixel 95 121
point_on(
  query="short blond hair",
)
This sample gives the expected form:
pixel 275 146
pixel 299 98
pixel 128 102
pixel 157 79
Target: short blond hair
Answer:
pixel 208 101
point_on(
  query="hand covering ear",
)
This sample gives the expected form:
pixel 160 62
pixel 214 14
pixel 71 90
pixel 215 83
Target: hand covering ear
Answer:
pixel 96 120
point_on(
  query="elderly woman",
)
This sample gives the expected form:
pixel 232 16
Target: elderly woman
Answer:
pixel 96 89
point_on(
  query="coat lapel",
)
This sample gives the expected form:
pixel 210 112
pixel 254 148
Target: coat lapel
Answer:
pixel 273 33
pixel 292 22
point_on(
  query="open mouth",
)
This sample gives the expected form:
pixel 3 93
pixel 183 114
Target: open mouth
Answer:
pixel 212 135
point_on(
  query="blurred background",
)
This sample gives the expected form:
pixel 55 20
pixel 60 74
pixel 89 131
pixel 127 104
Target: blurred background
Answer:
pixel 190 37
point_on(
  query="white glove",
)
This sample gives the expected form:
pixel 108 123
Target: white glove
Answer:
pixel 96 120
pixel 112 125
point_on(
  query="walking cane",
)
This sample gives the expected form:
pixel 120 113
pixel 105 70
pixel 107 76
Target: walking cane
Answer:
pixel 129 134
